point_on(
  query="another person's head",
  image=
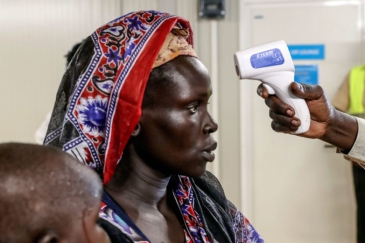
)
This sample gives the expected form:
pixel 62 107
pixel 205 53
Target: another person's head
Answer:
pixel 99 108
pixel 47 196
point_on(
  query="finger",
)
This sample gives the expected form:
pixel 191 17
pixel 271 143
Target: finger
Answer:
pixel 261 91
pixel 282 123
pixel 280 128
pixel 284 120
pixel 278 106
pixel 306 91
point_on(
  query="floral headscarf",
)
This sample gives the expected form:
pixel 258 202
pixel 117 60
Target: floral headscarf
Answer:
pixel 99 100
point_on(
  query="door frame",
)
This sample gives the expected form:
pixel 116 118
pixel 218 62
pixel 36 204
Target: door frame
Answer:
pixel 246 111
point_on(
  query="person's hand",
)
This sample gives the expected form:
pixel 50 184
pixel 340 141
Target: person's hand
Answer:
pixel 327 123
pixel 321 111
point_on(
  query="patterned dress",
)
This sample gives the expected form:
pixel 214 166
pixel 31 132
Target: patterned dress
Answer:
pixel 194 230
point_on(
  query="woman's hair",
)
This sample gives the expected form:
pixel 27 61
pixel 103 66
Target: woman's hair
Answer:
pixel 159 78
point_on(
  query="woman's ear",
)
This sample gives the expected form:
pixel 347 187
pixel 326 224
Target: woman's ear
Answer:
pixel 136 130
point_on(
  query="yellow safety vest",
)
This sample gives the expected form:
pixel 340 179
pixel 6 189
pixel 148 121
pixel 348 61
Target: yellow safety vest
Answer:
pixel 356 90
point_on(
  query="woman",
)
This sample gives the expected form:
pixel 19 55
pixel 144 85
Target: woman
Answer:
pixel 149 144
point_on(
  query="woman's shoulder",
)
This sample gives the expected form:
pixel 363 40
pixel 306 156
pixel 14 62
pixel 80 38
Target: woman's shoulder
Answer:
pixel 209 181
pixel 209 188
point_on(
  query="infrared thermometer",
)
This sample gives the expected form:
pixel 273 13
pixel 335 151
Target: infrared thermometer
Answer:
pixel 271 63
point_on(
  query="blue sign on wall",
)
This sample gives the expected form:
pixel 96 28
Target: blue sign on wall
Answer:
pixel 307 52
pixel 306 74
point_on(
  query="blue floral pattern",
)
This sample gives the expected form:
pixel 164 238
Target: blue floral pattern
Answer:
pixel 135 23
pixel 92 114
pixel 245 232
pixel 113 56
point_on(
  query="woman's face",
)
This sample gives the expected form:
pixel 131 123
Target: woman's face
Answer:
pixel 175 135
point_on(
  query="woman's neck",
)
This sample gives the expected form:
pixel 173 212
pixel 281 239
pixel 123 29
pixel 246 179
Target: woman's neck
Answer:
pixel 135 184
pixel 141 192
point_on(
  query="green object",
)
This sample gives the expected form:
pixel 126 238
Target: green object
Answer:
pixel 356 90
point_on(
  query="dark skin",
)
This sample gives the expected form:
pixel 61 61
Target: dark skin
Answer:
pixel 173 136
pixel 327 123
pixel 44 197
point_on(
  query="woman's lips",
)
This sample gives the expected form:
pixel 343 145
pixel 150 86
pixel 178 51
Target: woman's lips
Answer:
pixel 208 155
pixel 208 152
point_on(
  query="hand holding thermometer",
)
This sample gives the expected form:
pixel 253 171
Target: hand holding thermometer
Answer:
pixel 272 64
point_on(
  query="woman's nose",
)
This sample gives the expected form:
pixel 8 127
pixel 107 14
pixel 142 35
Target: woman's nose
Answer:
pixel 210 125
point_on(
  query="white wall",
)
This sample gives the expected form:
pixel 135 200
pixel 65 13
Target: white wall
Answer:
pixel 35 35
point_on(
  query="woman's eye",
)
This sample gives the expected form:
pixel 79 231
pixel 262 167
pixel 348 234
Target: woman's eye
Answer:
pixel 193 109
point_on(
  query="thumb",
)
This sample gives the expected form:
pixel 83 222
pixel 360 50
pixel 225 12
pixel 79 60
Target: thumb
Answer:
pixel 306 91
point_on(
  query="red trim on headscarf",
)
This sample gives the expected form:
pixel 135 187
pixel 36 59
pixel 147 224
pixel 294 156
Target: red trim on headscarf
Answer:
pixel 128 108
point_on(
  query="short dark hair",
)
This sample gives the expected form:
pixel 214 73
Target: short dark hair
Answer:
pixel 42 188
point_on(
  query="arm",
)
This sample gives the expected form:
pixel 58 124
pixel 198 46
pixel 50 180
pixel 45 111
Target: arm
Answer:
pixel 327 123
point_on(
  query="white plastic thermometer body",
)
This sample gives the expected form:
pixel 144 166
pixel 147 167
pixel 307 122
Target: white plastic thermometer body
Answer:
pixel 272 64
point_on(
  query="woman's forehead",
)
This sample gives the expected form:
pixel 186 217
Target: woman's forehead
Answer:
pixel 183 73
